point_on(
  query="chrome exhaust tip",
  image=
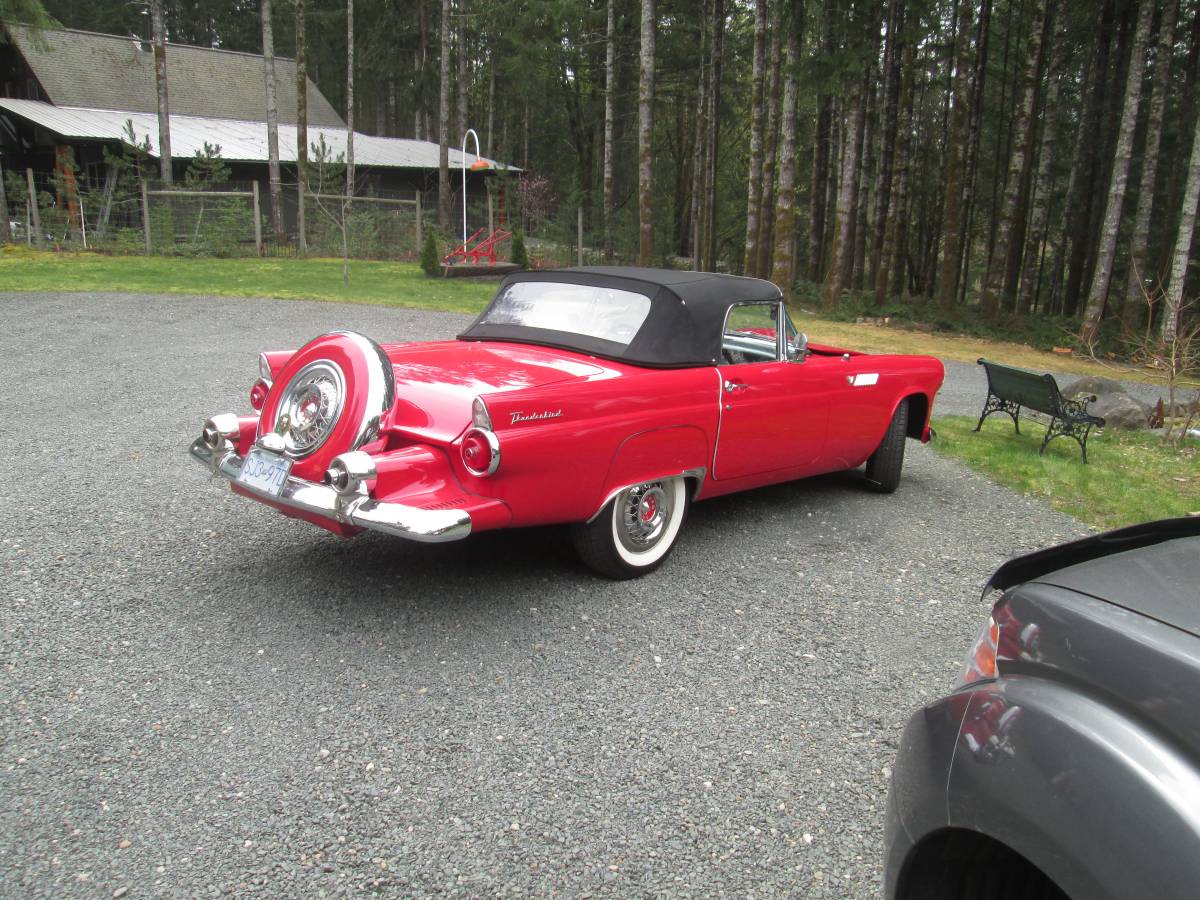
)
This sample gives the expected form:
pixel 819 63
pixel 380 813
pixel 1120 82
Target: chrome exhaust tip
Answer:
pixel 349 470
pixel 219 429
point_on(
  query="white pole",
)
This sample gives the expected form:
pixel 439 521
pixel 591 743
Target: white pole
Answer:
pixel 470 133
pixel 83 222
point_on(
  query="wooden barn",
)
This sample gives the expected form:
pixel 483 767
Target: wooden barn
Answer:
pixel 85 91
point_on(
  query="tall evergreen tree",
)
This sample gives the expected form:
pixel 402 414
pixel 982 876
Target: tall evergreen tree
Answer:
pixel 649 30
pixel 1098 295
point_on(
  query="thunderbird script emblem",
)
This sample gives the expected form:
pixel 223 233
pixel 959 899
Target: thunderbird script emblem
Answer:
pixel 531 417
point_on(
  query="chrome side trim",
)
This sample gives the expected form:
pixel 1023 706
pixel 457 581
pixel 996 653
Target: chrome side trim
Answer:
pixel 424 525
pixel 698 473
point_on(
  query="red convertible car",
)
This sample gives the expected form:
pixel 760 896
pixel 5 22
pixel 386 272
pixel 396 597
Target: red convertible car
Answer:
pixel 603 398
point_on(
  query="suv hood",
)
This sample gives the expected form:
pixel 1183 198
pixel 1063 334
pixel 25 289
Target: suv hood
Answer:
pixel 1151 569
pixel 436 382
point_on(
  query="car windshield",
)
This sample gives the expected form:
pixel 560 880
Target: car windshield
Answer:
pixel 597 312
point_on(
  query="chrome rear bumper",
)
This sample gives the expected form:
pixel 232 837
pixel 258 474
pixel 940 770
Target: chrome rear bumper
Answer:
pixel 425 525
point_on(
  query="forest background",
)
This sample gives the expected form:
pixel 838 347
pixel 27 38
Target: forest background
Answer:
pixel 1026 164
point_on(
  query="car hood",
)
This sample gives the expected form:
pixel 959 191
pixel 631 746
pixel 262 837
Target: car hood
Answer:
pixel 436 382
pixel 1151 569
pixel 1161 581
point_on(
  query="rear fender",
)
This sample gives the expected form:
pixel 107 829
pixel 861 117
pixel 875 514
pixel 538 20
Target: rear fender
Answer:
pixel 661 453
pixel 1103 804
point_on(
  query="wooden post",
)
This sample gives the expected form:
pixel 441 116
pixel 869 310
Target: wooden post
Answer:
pixel 5 231
pixel 420 233
pixel 146 216
pixel 258 245
pixel 301 227
pixel 579 235
pixel 33 209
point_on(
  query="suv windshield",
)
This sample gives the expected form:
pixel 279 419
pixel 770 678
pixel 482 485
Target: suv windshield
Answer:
pixel 606 313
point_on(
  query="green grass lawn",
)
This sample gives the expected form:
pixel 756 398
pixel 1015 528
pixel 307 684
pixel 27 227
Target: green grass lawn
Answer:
pixel 386 283
pixel 403 284
pixel 1130 476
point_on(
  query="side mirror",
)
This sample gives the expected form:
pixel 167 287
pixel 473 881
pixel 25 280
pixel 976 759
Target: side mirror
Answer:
pixel 797 350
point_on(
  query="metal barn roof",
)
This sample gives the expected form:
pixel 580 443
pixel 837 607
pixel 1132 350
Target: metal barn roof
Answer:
pixel 108 71
pixel 239 140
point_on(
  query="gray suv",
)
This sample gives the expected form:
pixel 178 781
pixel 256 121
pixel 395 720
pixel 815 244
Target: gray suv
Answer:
pixel 1067 761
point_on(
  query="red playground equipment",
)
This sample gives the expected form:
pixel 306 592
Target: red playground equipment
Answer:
pixel 484 248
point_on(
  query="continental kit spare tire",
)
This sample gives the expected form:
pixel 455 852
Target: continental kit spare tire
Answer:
pixel 333 393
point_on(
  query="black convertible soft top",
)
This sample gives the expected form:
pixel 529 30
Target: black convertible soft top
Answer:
pixel 683 327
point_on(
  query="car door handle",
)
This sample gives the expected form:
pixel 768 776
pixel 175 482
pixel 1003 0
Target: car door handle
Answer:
pixel 734 387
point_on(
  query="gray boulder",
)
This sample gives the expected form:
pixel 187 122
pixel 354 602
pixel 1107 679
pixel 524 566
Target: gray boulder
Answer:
pixel 1120 410
pixel 1093 384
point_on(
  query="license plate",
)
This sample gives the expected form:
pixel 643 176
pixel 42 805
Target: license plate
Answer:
pixel 265 471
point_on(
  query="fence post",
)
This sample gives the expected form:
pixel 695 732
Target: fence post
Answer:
pixel 579 235
pixel 420 234
pixel 257 220
pixel 5 231
pixel 301 228
pixel 491 220
pixel 33 209
pixel 146 216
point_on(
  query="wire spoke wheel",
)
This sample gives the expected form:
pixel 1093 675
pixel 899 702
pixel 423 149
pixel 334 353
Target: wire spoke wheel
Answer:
pixel 636 530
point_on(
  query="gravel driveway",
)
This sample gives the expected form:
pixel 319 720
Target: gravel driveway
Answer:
pixel 202 697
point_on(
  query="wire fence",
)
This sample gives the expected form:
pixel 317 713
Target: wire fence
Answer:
pixel 120 211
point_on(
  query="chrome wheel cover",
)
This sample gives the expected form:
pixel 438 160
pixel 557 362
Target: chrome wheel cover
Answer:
pixel 311 404
pixel 643 512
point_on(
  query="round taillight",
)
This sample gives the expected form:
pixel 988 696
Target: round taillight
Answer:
pixel 480 452
pixel 258 394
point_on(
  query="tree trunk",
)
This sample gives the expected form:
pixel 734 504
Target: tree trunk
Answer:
pixel 891 251
pixel 755 173
pixel 1141 284
pixel 712 143
pixel 1036 233
pixel 268 40
pixel 773 101
pixel 464 77
pixel 891 99
pixel 785 207
pixel 444 122
pixel 1098 295
pixel 349 98
pixel 301 126
pixel 993 287
pixel 838 277
pixel 1173 300
pixel 1186 115
pixel 696 239
pixel 974 131
pixel 610 70
pixel 1086 185
pixel 947 291
pixel 818 196
pixel 646 136
pixel 1001 149
pixel 421 112
pixel 858 260
pixel 159 30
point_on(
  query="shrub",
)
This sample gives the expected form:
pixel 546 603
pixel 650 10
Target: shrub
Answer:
pixel 431 263
pixel 519 255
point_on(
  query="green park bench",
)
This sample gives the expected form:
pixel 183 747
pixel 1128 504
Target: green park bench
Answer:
pixel 1009 389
